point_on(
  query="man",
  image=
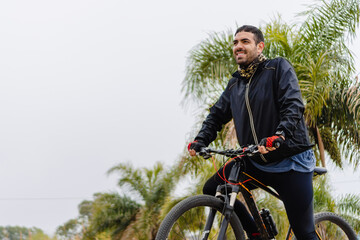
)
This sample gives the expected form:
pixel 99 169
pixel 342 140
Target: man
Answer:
pixel 264 100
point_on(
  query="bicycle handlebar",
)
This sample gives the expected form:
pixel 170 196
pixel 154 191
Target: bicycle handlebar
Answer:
pixel 248 151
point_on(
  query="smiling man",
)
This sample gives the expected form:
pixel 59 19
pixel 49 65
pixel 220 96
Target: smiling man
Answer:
pixel 247 47
pixel 264 100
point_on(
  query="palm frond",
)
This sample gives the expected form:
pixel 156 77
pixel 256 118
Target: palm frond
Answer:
pixel 209 66
pixel 323 200
pixel 342 117
pixel 330 22
pixel 111 212
pixel 279 39
pixel 349 207
pixel 315 85
pixel 132 178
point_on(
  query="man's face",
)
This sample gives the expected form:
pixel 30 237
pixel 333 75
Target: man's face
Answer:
pixel 245 48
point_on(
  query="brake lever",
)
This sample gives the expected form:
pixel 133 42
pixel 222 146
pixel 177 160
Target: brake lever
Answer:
pixel 205 153
pixel 251 150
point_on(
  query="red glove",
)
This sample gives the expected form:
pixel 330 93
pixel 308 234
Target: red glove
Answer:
pixel 274 141
pixel 196 145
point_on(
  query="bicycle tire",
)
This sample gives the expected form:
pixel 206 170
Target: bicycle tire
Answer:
pixel 331 226
pixel 324 220
pixel 175 219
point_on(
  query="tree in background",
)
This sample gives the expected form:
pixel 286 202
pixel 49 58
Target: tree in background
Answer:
pixel 70 230
pixel 150 188
pixel 135 215
pixel 348 206
pixel 104 218
pixel 112 214
pixel 22 233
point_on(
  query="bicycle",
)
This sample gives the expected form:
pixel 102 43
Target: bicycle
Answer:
pixel 198 217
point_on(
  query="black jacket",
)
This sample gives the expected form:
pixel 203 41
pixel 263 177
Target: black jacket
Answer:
pixel 276 105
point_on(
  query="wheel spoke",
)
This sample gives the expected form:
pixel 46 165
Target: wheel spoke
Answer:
pixel 328 231
pixel 330 226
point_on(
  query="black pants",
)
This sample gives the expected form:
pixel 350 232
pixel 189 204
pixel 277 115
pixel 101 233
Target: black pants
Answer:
pixel 295 190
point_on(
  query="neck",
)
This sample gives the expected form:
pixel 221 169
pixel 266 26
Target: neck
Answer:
pixel 248 70
pixel 260 58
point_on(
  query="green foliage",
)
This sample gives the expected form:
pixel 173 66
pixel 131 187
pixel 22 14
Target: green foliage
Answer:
pixel 330 144
pixel 276 208
pixel 348 206
pixel 280 39
pixel 39 235
pixel 209 66
pixel 111 213
pixel 22 233
pixel 342 116
pixel 107 216
pixel 153 187
pixel 323 201
pixel 328 21
pixel 315 83
pixel 69 230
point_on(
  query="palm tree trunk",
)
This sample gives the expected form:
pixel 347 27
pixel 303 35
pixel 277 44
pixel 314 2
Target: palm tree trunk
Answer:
pixel 321 147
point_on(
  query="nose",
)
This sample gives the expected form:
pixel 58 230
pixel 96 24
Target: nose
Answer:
pixel 238 47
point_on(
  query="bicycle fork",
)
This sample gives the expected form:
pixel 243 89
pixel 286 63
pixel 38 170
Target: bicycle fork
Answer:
pixel 229 209
pixel 222 192
pixel 227 212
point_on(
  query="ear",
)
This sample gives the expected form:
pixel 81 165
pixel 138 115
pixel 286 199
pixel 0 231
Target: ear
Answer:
pixel 260 47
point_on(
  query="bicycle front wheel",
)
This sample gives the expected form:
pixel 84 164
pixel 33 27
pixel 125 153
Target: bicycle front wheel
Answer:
pixel 333 227
pixel 186 221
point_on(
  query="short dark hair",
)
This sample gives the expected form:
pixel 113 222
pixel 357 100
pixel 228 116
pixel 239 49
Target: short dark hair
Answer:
pixel 259 37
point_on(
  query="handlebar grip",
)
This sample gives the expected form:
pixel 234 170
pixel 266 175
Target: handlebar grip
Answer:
pixel 277 144
pixel 274 141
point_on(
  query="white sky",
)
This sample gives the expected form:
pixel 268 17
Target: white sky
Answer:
pixel 86 84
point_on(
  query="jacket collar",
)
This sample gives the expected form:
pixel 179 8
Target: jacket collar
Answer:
pixel 261 66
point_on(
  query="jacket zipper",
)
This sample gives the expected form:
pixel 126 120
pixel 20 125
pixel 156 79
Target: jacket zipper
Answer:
pixel 251 115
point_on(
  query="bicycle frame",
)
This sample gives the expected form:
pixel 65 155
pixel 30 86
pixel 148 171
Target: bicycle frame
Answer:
pixel 235 186
pixel 235 175
pixel 176 223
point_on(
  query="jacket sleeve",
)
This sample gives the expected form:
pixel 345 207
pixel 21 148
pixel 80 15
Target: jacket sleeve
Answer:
pixel 220 114
pixel 289 99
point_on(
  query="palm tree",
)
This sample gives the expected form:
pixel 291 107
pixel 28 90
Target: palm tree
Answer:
pixel 108 213
pixel 150 188
pixel 324 64
pixel 135 215
pixel 69 230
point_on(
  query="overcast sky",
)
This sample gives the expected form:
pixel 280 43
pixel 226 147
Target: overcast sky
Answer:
pixel 87 84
